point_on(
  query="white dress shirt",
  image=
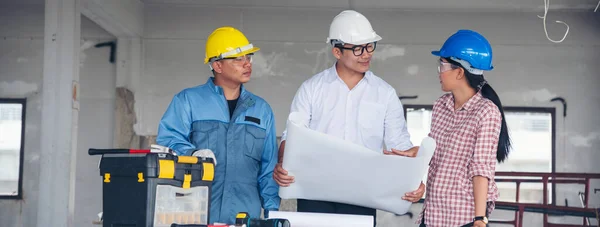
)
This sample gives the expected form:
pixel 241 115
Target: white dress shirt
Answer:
pixel 369 115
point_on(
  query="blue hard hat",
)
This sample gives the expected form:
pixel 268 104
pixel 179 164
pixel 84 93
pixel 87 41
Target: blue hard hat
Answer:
pixel 470 46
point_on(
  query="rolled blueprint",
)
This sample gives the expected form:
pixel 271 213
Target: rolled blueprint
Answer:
pixel 330 169
pixel 299 219
pixel 426 148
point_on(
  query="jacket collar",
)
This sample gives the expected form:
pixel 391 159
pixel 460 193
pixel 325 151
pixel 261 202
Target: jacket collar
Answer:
pixel 245 96
pixel 218 89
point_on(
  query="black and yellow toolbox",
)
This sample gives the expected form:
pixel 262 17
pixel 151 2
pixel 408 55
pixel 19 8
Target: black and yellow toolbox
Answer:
pixel 146 189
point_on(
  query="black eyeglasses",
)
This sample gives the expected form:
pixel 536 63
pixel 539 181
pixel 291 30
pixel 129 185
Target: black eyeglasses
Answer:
pixel 358 50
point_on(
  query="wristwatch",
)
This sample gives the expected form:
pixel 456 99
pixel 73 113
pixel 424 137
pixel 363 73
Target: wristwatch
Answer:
pixel 484 219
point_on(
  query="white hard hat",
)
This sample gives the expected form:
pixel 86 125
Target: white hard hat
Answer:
pixel 353 28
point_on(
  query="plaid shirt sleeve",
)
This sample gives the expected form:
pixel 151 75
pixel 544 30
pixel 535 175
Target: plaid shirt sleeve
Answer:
pixel 483 162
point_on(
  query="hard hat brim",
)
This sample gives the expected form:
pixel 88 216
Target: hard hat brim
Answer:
pixel 254 49
pixel 376 38
pixel 365 41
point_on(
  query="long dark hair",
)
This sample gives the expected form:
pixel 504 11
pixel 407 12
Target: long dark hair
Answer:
pixel 476 82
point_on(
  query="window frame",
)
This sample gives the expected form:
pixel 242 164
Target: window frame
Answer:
pixel 522 109
pixel 23 102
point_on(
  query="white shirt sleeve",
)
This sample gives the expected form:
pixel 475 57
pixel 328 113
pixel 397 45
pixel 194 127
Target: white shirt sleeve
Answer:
pixel 395 130
pixel 302 104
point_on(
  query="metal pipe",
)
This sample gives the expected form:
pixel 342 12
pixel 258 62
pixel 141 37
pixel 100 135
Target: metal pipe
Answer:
pixel 559 181
pixel 584 205
pixel 548 209
pixel 545 195
pixel 553 175
pixel 586 199
pixel 517 217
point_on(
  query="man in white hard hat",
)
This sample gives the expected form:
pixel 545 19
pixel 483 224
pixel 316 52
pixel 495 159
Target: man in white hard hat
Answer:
pixel 348 101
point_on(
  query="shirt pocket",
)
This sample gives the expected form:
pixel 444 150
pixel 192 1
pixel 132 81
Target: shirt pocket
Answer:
pixel 204 135
pixel 254 142
pixel 371 116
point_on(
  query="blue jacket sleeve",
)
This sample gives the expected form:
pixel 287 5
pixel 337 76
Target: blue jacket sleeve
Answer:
pixel 174 126
pixel 269 189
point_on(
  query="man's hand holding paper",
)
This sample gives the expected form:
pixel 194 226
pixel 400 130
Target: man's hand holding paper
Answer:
pixel 323 167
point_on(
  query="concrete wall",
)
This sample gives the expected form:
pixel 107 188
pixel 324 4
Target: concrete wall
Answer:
pixel 21 77
pixel 530 70
pixel 21 65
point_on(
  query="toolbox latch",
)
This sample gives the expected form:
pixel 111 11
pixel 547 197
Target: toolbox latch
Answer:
pixel 106 177
pixel 208 171
pixel 187 178
pixel 140 177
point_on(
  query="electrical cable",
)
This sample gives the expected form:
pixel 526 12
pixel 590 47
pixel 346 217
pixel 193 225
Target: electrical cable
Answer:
pixel 546 6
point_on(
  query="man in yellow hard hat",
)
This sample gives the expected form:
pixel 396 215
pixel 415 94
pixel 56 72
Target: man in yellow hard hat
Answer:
pixel 238 126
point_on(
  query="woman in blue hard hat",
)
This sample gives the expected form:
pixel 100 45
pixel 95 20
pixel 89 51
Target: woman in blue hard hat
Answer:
pixel 471 135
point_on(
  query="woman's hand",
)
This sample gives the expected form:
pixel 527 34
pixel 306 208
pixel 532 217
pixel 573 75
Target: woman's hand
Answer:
pixel 416 195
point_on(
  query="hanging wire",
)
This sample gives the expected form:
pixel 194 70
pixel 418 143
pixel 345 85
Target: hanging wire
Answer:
pixel 597 7
pixel 546 6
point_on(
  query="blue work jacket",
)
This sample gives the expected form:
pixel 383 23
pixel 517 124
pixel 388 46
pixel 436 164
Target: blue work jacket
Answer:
pixel 244 146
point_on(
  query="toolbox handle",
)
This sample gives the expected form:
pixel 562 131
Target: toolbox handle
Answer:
pixel 187 159
pixel 94 151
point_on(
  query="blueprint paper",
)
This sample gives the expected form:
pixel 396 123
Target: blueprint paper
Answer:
pixel 299 219
pixel 330 169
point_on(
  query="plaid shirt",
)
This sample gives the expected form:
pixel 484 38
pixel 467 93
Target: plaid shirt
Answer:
pixel 466 144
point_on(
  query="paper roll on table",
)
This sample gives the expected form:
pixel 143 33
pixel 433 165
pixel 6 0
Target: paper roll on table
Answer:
pixel 300 219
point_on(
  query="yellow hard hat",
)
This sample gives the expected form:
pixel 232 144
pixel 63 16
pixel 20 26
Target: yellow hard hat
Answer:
pixel 227 42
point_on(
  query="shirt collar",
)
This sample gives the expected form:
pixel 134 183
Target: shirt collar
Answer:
pixel 332 75
pixel 469 105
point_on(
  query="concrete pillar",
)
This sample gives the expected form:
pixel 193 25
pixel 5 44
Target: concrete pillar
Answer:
pixel 59 113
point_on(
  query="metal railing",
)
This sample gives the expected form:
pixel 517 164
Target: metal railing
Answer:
pixel 545 208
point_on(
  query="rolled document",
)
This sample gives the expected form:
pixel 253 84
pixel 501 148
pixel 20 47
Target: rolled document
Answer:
pixel 427 148
pixel 299 219
pixel 328 168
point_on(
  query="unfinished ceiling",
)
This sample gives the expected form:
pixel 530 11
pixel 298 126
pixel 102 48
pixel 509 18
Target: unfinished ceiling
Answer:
pixel 423 5
pixel 428 5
